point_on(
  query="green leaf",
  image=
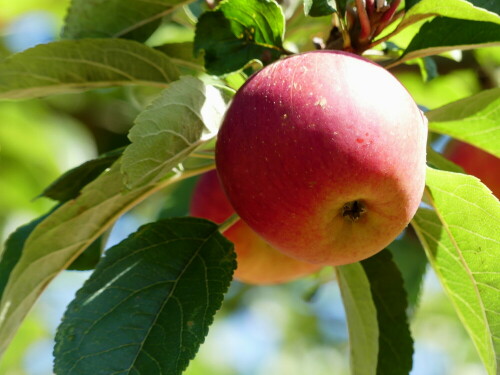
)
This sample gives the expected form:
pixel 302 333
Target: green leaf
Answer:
pixel 133 19
pixel 147 307
pixel 184 116
pixel 69 185
pixel 182 55
pixel 64 235
pixel 89 259
pixel 410 258
pixel 13 250
pixel 474 10
pixel 461 239
pixel 445 34
pixel 475 120
pixel 318 8
pixel 438 161
pixel 361 318
pixel 245 30
pixel 78 65
pixel 395 344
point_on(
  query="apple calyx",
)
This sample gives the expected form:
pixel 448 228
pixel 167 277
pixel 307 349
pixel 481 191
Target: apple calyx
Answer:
pixel 352 211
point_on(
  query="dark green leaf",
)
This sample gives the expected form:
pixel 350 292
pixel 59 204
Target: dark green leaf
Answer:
pixel 178 199
pixel 69 185
pixel 77 65
pixel 444 34
pixel 90 257
pixel 132 19
pixel 461 239
pixel 395 342
pixel 147 307
pixel 409 256
pixel 318 8
pixel 14 248
pixel 243 30
pixel 475 120
pixel 438 161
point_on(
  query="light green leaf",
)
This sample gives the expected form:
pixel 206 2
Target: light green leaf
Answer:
pixel 475 120
pixel 132 19
pixel 474 10
pixel 461 239
pixel 318 8
pixel 78 65
pixel 65 234
pixel 183 117
pixel 245 30
pixel 147 307
pixel 361 318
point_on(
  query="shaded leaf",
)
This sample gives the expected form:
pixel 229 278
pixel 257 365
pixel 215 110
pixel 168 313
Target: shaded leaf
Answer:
pixel 318 8
pixel 69 185
pixel 445 34
pixel 183 117
pixel 182 55
pixel 438 161
pixel 461 241
pixel 13 250
pixel 64 235
pixel 89 259
pixel 475 120
pixel 147 307
pixel 78 65
pixel 133 19
pixel 245 30
pixel 361 318
pixel 395 344
pixel 410 258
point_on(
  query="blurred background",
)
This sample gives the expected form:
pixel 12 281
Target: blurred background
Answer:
pixel 296 328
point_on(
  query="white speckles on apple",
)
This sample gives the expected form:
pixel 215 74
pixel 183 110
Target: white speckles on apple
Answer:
pixel 321 102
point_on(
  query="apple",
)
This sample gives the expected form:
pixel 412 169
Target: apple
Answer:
pixel 477 162
pixel 323 154
pixel 258 262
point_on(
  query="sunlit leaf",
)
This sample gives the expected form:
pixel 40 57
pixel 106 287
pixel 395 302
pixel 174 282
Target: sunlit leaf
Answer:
pixel 245 30
pixel 133 19
pixel 462 242
pixel 147 307
pixel 475 120
pixel 78 65
pixel 183 117
pixel 445 34
pixel 475 10
pixel 361 318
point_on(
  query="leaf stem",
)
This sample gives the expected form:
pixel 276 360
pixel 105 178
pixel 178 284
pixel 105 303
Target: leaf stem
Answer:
pixel 229 222
pixel 364 20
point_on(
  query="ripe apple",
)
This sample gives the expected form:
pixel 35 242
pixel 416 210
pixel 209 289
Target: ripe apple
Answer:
pixel 323 155
pixel 258 262
pixel 477 162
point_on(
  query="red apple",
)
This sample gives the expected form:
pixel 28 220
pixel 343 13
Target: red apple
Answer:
pixel 477 162
pixel 258 262
pixel 323 155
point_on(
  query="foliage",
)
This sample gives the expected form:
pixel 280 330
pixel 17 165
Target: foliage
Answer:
pixel 161 287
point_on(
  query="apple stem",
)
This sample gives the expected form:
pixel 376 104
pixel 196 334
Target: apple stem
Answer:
pixel 229 222
pixel 352 211
pixel 364 20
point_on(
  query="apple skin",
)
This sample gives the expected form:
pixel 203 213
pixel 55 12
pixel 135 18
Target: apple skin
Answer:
pixel 323 154
pixel 258 262
pixel 477 162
